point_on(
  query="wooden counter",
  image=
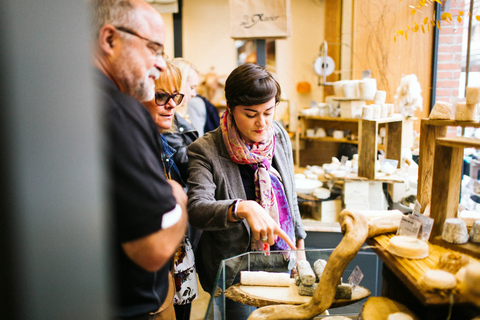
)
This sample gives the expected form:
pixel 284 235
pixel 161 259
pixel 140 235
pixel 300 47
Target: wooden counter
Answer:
pixel 409 271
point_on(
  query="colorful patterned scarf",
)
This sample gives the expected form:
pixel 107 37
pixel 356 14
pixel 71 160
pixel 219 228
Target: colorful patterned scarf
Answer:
pixel 269 191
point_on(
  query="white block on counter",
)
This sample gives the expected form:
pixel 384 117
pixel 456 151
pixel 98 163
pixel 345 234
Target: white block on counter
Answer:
pixel 364 195
pixel 351 108
pixel 327 211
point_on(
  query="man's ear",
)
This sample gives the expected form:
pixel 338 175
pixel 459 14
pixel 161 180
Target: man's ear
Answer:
pixel 108 38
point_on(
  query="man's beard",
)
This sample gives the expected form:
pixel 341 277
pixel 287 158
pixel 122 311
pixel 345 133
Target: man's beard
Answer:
pixel 144 90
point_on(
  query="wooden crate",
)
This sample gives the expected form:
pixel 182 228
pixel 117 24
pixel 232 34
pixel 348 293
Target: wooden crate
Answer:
pixel 430 130
pixel 446 180
pixel 367 147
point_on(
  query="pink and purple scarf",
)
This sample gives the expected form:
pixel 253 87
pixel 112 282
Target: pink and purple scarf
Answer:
pixel 269 191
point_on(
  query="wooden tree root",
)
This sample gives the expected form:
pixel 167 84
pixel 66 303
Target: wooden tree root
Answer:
pixel 355 229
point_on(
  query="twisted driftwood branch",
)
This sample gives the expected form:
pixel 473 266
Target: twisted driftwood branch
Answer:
pixel 355 229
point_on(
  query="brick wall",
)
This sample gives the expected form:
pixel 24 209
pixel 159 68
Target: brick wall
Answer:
pixel 449 63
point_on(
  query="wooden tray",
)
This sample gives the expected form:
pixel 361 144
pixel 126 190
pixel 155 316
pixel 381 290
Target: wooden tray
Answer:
pixel 260 296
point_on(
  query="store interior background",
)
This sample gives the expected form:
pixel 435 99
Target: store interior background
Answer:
pixel 53 224
pixel 367 31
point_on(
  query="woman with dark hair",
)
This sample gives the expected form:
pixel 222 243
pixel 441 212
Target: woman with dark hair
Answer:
pixel 241 179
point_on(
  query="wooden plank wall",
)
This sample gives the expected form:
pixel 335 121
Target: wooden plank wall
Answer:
pixel 374 27
pixel 333 31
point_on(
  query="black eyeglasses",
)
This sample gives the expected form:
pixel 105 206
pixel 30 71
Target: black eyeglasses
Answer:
pixel 156 47
pixel 162 98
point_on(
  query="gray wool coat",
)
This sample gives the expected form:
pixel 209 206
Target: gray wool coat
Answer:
pixel 214 183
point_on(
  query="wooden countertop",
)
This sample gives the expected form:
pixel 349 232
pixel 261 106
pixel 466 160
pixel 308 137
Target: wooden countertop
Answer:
pixel 409 271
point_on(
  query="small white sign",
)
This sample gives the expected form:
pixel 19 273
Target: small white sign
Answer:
pixel 426 228
pixel 355 278
pixel 409 226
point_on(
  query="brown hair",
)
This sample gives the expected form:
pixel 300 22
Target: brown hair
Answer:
pixel 249 85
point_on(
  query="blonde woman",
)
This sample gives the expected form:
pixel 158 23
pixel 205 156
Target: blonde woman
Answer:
pixel 167 98
pixel 200 112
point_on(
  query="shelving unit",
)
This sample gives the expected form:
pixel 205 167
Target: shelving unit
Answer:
pixel 321 150
pixel 367 149
pixel 446 180
pixel 430 130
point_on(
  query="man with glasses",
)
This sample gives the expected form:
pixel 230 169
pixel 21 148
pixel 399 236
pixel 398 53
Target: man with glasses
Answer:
pixel 149 212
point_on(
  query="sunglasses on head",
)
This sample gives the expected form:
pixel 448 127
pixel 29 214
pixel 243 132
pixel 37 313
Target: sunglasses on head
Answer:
pixel 162 98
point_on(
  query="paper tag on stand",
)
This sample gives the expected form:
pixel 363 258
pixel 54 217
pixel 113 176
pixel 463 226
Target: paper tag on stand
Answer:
pixel 355 278
pixel 426 228
pixel 409 226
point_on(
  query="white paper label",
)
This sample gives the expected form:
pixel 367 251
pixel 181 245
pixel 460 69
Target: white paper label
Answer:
pixel 343 161
pixel 409 226
pixel 355 278
pixel 426 228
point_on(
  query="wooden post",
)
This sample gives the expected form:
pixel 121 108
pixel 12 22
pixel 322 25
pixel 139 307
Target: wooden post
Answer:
pixel 445 191
pixel 428 135
pixel 393 141
pixel 367 148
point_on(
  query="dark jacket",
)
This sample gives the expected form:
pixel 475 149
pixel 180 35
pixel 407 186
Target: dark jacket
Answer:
pixel 212 120
pixel 179 139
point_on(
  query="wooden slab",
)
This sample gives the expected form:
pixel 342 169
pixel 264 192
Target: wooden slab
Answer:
pixel 451 123
pixel 459 142
pixel 446 182
pixel 367 149
pixel 260 296
pixel 393 141
pixel 428 135
pixel 379 308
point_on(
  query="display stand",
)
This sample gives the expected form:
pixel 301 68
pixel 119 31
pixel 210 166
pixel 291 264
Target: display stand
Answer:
pixel 368 132
pixel 350 108
pixel 430 130
pixel 446 181
pixel 322 149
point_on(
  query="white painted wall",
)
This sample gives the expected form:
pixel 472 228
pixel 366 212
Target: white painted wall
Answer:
pixel 207 43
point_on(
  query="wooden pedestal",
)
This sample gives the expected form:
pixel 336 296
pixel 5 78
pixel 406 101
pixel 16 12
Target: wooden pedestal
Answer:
pixel 430 130
pixel 368 131
pixel 446 181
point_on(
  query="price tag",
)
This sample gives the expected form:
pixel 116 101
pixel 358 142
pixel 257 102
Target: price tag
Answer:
pixel 426 228
pixel 343 161
pixel 355 278
pixel 409 226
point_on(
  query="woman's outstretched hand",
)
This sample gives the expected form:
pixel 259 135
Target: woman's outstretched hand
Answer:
pixel 263 226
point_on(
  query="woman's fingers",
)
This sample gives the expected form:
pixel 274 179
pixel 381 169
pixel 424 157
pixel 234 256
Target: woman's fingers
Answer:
pixel 285 237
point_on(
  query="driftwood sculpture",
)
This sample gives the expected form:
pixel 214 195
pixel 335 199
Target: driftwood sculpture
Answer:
pixel 356 230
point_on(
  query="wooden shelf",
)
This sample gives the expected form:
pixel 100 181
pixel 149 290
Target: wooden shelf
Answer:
pixel 331 139
pixel 459 142
pixel 433 132
pixel 451 123
pixel 329 118
pixel 367 150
